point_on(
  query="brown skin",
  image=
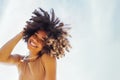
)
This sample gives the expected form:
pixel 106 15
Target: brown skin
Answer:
pixel 34 45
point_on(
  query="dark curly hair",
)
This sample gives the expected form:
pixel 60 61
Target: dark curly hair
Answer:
pixel 56 42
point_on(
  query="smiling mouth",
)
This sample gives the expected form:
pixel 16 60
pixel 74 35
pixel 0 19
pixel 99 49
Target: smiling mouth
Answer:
pixel 33 44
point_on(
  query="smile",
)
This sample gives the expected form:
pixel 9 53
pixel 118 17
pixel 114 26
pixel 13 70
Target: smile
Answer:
pixel 33 44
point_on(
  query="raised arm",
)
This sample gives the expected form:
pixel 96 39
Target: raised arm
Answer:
pixel 6 49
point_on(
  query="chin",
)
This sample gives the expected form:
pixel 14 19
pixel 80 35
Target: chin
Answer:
pixel 34 50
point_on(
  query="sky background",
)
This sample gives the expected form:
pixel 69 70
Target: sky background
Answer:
pixel 95 53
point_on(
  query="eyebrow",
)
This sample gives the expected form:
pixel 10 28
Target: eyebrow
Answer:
pixel 39 37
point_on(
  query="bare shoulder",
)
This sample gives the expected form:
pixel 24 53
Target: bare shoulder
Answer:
pixel 50 66
pixel 47 59
pixel 13 59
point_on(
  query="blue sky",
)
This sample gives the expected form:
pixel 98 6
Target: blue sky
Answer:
pixel 95 36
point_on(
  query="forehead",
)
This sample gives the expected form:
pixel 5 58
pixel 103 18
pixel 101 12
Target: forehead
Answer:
pixel 41 34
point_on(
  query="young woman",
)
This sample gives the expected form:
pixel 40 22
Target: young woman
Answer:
pixel 46 40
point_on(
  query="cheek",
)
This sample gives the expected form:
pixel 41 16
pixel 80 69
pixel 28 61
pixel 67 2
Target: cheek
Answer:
pixel 40 46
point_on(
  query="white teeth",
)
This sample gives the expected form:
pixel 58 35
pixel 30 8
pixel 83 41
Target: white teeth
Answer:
pixel 33 44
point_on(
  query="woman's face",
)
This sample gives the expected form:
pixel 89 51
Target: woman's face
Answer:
pixel 35 42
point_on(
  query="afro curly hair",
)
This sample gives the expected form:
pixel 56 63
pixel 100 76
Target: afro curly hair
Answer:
pixel 56 42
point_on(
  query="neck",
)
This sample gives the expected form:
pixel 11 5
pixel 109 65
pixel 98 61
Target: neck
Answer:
pixel 29 58
pixel 32 55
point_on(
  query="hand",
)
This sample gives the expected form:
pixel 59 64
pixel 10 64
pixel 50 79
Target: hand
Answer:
pixel 22 32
